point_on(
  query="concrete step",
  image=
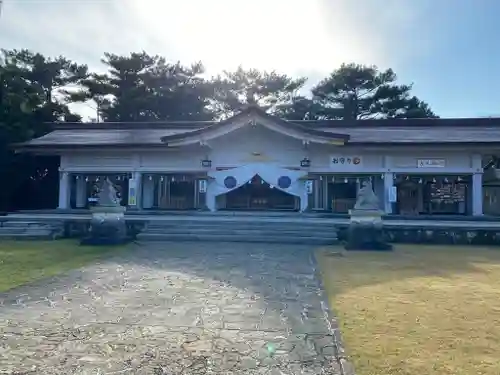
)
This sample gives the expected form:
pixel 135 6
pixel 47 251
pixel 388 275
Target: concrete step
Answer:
pixel 12 230
pixel 26 230
pixel 145 237
pixel 254 230
pixel 303 225
pixel 22 224
pixel 39 231
pixel 246 231
pixel 27 236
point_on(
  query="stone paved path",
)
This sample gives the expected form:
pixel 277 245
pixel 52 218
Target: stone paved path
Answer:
pixel 173 309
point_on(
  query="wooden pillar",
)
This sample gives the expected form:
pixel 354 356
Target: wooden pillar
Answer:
pixel 64 190
pixel 388 185
pixel 81 192
pixel 477 194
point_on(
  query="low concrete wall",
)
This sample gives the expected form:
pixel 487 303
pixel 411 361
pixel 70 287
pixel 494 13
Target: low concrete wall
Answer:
pixel 80 228
pixel 441 236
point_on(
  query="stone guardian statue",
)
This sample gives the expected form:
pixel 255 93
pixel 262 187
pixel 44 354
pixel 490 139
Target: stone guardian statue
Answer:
pixel 107 226
pixel 366 200
pixel 365 230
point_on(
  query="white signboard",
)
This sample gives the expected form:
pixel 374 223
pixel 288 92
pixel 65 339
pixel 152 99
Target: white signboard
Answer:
pixel 202 186
pixel 393 194
pixel 431 163
pixel 132 192
pixel 346 161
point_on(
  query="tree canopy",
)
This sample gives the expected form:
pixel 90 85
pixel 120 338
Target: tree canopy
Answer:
pixel 36 90
pixel 268 90
pixel 357 92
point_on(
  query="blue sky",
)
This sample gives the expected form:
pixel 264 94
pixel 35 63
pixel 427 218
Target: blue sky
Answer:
pixel 449 49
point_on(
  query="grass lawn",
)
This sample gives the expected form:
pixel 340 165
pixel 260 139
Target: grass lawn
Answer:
pixel 418 310
pixel 25 261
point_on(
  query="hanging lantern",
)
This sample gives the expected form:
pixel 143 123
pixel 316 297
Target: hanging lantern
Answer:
pixel 206 163
pixel 77 177
pixel 420 181
pixel 433 180
pixel 382 176
pixel 407 178
pixel 346 180
pixel 86 179
pixel 161 178
pixel 394 177
pixel 445 180
pixel 459 179
pixel 118 178
pixel 97 179
pixel 333 178
pixel 321 178
pixel 173 179
pixel 357 180
pixel 305 163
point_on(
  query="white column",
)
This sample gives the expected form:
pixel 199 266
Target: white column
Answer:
pixel 388 184
pixel 477 194
pixel 210 196
pixel 81 192
pixel 325 192
pixel 316 202
pixel 64 190
pixel 304 194
pixel 137 178
pixel 148 191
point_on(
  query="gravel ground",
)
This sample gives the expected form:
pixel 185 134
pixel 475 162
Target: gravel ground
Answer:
pixel 192 308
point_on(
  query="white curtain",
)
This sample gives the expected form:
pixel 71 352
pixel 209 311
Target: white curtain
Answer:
pixel 269 173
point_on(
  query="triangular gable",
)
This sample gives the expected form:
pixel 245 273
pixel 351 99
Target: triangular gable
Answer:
pixel 255 115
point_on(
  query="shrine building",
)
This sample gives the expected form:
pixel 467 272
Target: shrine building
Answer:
pixel 255 161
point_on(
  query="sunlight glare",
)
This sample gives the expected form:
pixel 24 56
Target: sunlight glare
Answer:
pixel 281 34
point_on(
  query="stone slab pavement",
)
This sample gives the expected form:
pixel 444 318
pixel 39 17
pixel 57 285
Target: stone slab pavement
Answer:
pixel 176 308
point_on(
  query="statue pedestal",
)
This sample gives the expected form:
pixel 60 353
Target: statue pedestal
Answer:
pixel 107 226
pixel 365 231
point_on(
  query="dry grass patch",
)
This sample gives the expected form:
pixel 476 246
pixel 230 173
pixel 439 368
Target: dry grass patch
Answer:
pixel 417 310
pixel 22 262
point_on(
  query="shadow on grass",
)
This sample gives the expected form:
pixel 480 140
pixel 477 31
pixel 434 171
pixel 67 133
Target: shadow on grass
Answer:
pixel 24 263
pixel 406 261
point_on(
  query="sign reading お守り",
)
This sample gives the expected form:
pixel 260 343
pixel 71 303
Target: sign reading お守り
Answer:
pixel 346 160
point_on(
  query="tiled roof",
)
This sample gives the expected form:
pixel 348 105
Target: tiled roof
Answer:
pixel 365 135
pixel 112 136
pixel 394 131
pixel 424 134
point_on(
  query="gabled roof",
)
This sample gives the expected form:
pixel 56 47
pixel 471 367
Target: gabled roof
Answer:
pixel 255 115
pixel 484 131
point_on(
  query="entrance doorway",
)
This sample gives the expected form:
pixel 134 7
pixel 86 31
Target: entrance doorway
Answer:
pixel 409 198
pixel 342 196
pixel 257 194
pixel 177 194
